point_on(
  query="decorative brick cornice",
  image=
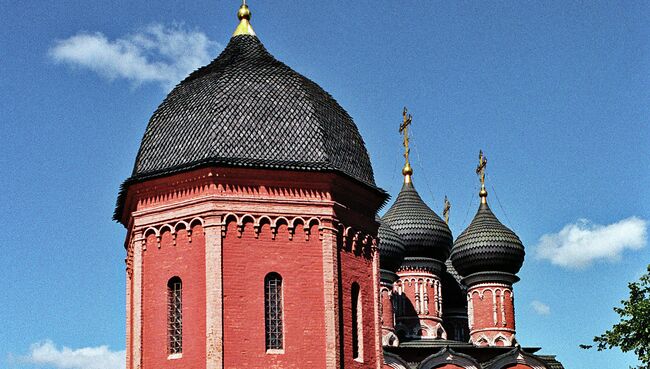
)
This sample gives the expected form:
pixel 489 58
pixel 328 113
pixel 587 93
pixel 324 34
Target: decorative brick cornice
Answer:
pixel 274 222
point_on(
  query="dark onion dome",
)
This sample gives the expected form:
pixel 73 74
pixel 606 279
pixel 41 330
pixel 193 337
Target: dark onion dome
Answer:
pixel 391 248
pixel 487 246
pixel 247 109
pixel 425 235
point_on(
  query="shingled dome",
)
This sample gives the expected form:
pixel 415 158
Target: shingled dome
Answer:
pixel 425 235
pixel 247 109
pixel 487 246
pixel 391 248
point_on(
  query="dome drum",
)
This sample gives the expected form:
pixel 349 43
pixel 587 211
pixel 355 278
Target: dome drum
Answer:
pixel 433 266
pixel 386 276
pixel 491 277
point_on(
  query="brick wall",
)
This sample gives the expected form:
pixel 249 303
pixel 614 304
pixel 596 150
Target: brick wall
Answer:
pixel 187 261
pixel 246 262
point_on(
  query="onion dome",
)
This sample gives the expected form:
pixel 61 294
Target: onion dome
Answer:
pixel 391 248
pixel 487 245
pixel 247 109
pixel 425 235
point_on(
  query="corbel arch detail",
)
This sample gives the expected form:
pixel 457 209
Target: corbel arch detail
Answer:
pixel 172 228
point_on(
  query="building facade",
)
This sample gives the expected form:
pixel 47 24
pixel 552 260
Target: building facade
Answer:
pixel 253 239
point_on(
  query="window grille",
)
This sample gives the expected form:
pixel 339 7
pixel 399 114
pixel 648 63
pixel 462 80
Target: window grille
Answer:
pixel 273 311
pixel 175 315
pixel 357 323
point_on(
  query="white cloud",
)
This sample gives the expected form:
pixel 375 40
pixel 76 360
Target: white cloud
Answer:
pixel 100 357
pixel 540 307
pixel 159 54
pixel 580 244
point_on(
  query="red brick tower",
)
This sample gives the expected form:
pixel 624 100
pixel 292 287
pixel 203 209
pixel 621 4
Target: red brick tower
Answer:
pixel 427 240
pixel 250 217
pixel 488 255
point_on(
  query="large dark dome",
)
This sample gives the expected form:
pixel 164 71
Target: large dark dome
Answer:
pixel 248 109
pixel 425 235
pixel 487 246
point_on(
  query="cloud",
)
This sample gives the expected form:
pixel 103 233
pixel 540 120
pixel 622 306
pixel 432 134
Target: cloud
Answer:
pixel 580 244
pixel 100 357
pixel 540 307
pixel 159 54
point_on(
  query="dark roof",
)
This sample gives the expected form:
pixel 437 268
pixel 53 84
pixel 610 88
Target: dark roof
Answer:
pixel 487 246
pixel 248 109
pixel 423 232
pixel 391 248
pixel 551 361
pixel 415 353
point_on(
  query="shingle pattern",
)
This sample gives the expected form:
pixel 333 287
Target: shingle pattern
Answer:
pixel 391 248
pixel 248 109
pixel 487 246
pixel 423 232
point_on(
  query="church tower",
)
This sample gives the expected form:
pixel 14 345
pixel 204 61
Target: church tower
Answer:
pixel 488 255
pixel 250 217
pixel 427 242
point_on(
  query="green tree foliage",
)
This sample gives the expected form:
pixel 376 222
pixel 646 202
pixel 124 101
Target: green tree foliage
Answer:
pixel 632 333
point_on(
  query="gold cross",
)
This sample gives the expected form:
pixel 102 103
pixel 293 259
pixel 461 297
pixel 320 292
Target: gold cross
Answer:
pixel 404 130
pixel 480 169
pixel 445 211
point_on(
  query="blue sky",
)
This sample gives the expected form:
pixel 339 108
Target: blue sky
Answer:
pixel 555 93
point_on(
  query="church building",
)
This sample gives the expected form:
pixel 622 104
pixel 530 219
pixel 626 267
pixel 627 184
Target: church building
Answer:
pixel 254 241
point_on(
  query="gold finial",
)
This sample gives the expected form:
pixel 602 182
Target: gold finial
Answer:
pixel 446 209
pixel 480 171
pixel 244 15
pixel 407 171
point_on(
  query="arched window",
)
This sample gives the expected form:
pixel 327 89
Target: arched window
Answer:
pixel 273 311
pixel 357 323
pixel 175 315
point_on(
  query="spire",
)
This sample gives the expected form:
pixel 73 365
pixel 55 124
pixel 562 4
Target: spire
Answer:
pixel 446 209
pixel 480 171
pixel 407 171
pixel 244 15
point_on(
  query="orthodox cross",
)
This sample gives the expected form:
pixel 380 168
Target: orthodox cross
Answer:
pixel 404 130
pixel 445 211
pixel 480 169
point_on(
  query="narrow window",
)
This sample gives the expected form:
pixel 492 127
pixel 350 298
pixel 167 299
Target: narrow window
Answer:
pixel 273 311
pixel 175 315
pixel 357 323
